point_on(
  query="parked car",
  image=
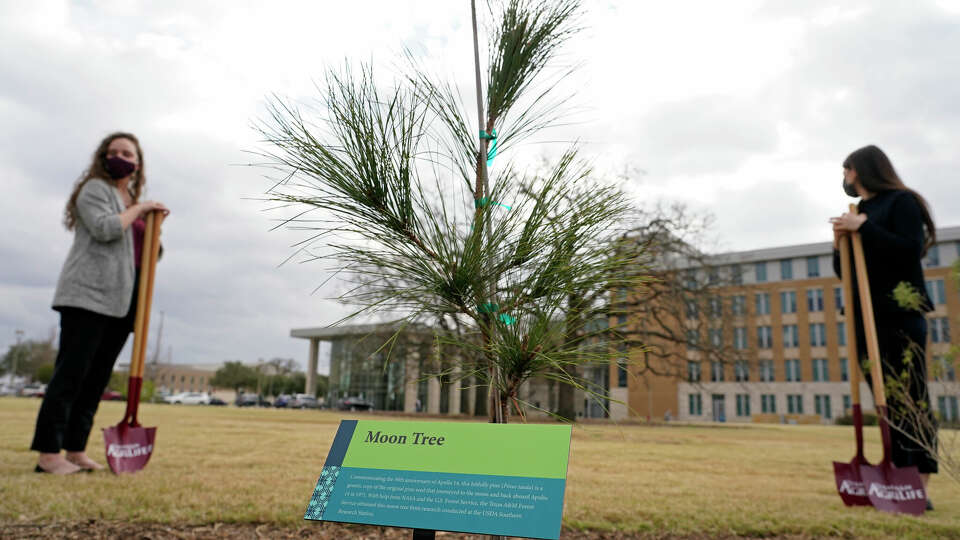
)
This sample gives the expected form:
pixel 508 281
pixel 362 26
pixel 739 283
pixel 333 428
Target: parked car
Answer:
pixel 32 390
pixel 303 401
pixel 216 401
pixel 354 404
pixel 112 395
pixel 189 398
pixel 251 400
pixel 282 400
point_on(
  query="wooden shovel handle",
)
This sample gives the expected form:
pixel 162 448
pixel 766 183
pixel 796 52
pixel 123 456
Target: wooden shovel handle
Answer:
pixel 139 329
pixel 148 269
pixel 850 322
pixel 869 323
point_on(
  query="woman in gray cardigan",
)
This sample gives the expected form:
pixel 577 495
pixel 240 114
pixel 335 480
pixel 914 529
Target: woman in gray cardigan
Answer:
pixel 96 299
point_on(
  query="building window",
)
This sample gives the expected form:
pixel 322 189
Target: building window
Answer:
pixel 943 369
pixel 936 291
pixel 738 304
pixel 713 276
pixel 736 274
pixel 766 371
pixel 792 369
pixel 786 269
pixel 743 404
pixel 940 330
pixel 763 303
pixel 691 309
pixel 183 379
pixel 791 336
pixel 947 406
pixel 693 339
pixel 844 370
pixel 768 403
pixel 847 403
pixel 622 373
pixel 813 266
pixel 716 307
pixel 741 371
pixel 820 372
pixel 818 335
pixel 621 320
pixel 621 294
pixel 716 372
pixel 740 338
pixel 814 299
pixel 795 403
pixel 695 404
pixel 693 371
pixel 821 403
pixel 841 333
pixel 788 302
pixel 716 337
pixel 838 297
pixel 690 281
pixel 760 269
pixel 764 337
pixel 932 258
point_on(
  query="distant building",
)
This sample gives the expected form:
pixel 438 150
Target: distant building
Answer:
pixel 790 326
pixel 405 375
pixel 176 378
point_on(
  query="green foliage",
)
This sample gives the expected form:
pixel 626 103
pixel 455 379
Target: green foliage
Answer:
pixel 234 375
pixel 907 296
pixel 29 356
pixel 118 382
pixel 869 419
pixel 44 373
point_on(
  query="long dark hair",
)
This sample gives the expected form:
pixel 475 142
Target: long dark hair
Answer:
pixel 876 173
pixel 97 169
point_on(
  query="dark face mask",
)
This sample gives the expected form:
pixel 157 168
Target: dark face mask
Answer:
pixel 119 168
pixel 849 189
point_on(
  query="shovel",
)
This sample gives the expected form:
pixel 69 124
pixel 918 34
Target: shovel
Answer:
pixel 890 489
pixel 129 445
pixel 847 475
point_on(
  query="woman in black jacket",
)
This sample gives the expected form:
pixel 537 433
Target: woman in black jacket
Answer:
pixel 896 229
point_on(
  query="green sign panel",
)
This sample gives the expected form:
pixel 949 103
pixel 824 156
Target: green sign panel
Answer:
pixel 501 479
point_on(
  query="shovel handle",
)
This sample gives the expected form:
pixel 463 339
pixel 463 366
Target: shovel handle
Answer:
pixel 869 323
pixel 850 322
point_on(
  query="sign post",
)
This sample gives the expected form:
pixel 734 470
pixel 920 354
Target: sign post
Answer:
pixel 498 479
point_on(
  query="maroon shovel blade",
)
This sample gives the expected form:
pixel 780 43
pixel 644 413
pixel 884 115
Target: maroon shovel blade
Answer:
pixel 850 484
pixel 128 448
pixel 893 489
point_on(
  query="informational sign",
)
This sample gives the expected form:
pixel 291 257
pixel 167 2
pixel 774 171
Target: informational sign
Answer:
pixel 500 479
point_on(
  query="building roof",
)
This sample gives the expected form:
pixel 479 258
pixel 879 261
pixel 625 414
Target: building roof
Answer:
pixel 944 235
pixel 332 332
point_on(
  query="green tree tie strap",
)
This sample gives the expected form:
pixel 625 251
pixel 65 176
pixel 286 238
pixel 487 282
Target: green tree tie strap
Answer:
pixel 485 201
pixel 492 153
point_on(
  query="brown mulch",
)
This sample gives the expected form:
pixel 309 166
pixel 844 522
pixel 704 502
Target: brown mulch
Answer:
pixel 95 529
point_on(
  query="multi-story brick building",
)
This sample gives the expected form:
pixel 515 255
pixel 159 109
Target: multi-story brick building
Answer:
pixel 784 317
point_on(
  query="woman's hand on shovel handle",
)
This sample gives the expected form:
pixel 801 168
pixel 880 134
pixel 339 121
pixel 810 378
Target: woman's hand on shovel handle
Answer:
pixel 846 224
pixel 150 206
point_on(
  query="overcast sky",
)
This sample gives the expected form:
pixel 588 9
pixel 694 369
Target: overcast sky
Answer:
pixel 742 109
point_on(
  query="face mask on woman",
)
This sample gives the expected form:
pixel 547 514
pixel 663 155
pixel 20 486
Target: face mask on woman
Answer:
pixel 118 167
pixel 849 189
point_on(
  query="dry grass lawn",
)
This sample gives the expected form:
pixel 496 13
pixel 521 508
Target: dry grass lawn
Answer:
pixel 241 466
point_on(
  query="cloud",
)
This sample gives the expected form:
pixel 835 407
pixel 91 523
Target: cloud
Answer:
pixel 744 110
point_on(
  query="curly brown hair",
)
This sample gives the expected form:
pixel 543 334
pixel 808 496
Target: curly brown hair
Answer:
pixel 97 169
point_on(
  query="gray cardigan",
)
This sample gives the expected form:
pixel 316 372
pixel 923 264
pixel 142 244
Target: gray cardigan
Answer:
pixel 98 274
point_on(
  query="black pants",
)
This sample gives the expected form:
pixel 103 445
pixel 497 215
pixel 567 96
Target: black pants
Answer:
pixel 897 334
pixel 89 346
